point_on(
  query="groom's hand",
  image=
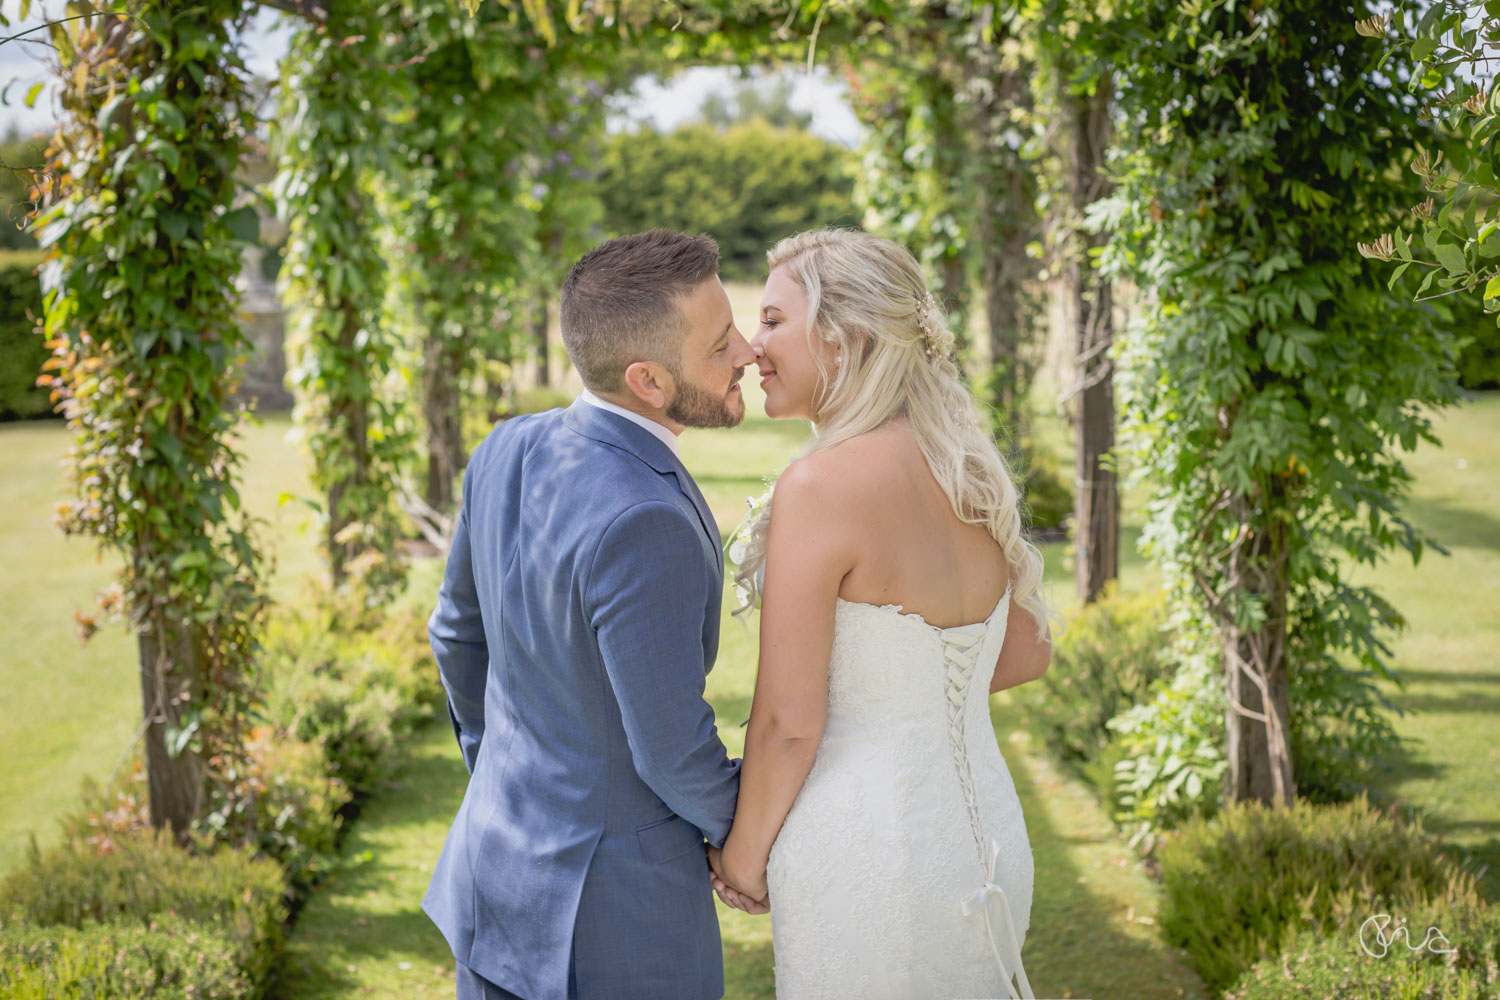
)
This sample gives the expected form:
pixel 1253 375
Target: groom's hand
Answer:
pixel 739 901
pixel 728 894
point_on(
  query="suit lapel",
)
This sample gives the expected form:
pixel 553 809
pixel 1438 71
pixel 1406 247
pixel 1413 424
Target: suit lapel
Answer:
pixel 613 429
pixel 689 489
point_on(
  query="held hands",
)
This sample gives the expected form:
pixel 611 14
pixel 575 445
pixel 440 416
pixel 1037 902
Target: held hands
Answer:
pixel 753 898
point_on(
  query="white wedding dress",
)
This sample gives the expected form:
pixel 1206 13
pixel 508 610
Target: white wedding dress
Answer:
pixel 903 868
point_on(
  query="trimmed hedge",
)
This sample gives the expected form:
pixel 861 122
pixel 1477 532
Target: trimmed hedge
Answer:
pixel 21 352
pixel 164 958
pixel 111 900
pixel 1316 966
pixel 1237 888
pixel 145 873
pixel 768 182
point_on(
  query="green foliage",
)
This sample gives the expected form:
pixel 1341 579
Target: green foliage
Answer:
pixel 915 162
pixel 341 347
pixel 1168 753
pixel 144 244
pixel 946 170
pixel 142 913
pixel 1341 730
pixel 1238 887
pixel 1269 377
pixel 145 875
pixel 1451 49
pixel 1135 707
pixel 561 169
pixel 1102 664
pixel 22 350
pixel 163 957
pixel 353 692
pixel 295 813
pixel 747 186
pixel 1416 965
pixel 287 807
pixel 480 200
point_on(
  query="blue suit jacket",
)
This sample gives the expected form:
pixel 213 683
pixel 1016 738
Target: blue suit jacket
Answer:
pixel 577 620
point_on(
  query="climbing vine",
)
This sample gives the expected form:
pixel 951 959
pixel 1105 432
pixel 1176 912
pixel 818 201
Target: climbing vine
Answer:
pixel 455 202
pixel 1452 47
pixel 563 173
pixel 1269 378
pixel 341 345
pixel 143 241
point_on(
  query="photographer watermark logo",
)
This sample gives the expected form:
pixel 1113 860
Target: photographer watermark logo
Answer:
pixel 1376 935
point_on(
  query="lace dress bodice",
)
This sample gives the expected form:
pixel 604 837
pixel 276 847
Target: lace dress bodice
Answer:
pixel 903 868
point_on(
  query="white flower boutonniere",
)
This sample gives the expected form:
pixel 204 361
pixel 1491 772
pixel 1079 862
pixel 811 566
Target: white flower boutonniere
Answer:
pixel 739 538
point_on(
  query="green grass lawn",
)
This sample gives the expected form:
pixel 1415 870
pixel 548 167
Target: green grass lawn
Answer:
pixel 67 711
pixel 1449 655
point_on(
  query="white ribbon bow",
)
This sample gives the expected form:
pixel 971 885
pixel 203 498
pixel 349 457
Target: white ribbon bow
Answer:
pixel 978 902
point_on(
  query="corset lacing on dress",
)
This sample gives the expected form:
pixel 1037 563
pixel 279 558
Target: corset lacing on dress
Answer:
pixel 960 646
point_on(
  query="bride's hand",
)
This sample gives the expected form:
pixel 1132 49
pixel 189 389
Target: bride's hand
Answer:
pixel 749 881
pixel 729 893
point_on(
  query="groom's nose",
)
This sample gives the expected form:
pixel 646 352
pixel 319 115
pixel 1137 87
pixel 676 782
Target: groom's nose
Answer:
pixel 741 354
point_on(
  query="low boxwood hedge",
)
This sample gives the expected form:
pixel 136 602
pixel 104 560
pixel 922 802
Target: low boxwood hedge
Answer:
pixel 1240 886
pixel 140 913
pixel 1407 960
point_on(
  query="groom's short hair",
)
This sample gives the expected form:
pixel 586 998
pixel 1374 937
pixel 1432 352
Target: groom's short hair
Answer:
pixel 620 302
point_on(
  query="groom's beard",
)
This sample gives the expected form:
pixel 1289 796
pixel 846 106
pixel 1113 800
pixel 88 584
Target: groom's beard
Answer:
pixel 696 407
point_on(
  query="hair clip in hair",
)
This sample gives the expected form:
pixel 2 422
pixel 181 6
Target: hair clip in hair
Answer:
pixel 926 309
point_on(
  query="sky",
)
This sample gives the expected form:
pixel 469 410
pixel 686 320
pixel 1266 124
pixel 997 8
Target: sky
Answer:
pixel 663 104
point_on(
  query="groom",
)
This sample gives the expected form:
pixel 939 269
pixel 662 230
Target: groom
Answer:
pixel 577 619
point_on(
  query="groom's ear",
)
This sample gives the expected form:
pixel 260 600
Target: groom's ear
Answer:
pixel 650 382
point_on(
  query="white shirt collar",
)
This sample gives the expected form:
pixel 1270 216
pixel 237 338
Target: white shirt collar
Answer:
pixel 662 434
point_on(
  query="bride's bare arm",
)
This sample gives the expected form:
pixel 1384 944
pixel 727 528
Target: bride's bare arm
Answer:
pixel 1023 657
pixel 810 547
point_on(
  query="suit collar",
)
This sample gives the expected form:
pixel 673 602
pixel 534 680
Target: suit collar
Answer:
pixel 613 429
pixel 656 430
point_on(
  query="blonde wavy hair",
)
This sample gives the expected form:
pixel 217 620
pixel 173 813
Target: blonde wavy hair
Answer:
pixel 867 297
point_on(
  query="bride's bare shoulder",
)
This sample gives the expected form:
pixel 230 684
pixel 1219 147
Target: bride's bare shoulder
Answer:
pixel 847 474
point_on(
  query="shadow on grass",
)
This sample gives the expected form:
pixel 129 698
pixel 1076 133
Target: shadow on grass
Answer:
pixel 1460 702
pixel 1453 524
pixel 1075 946
pixel 1404 762
pixel 1448 677
pixel 364 921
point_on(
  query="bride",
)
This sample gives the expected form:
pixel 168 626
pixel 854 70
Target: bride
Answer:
pixel 897 591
